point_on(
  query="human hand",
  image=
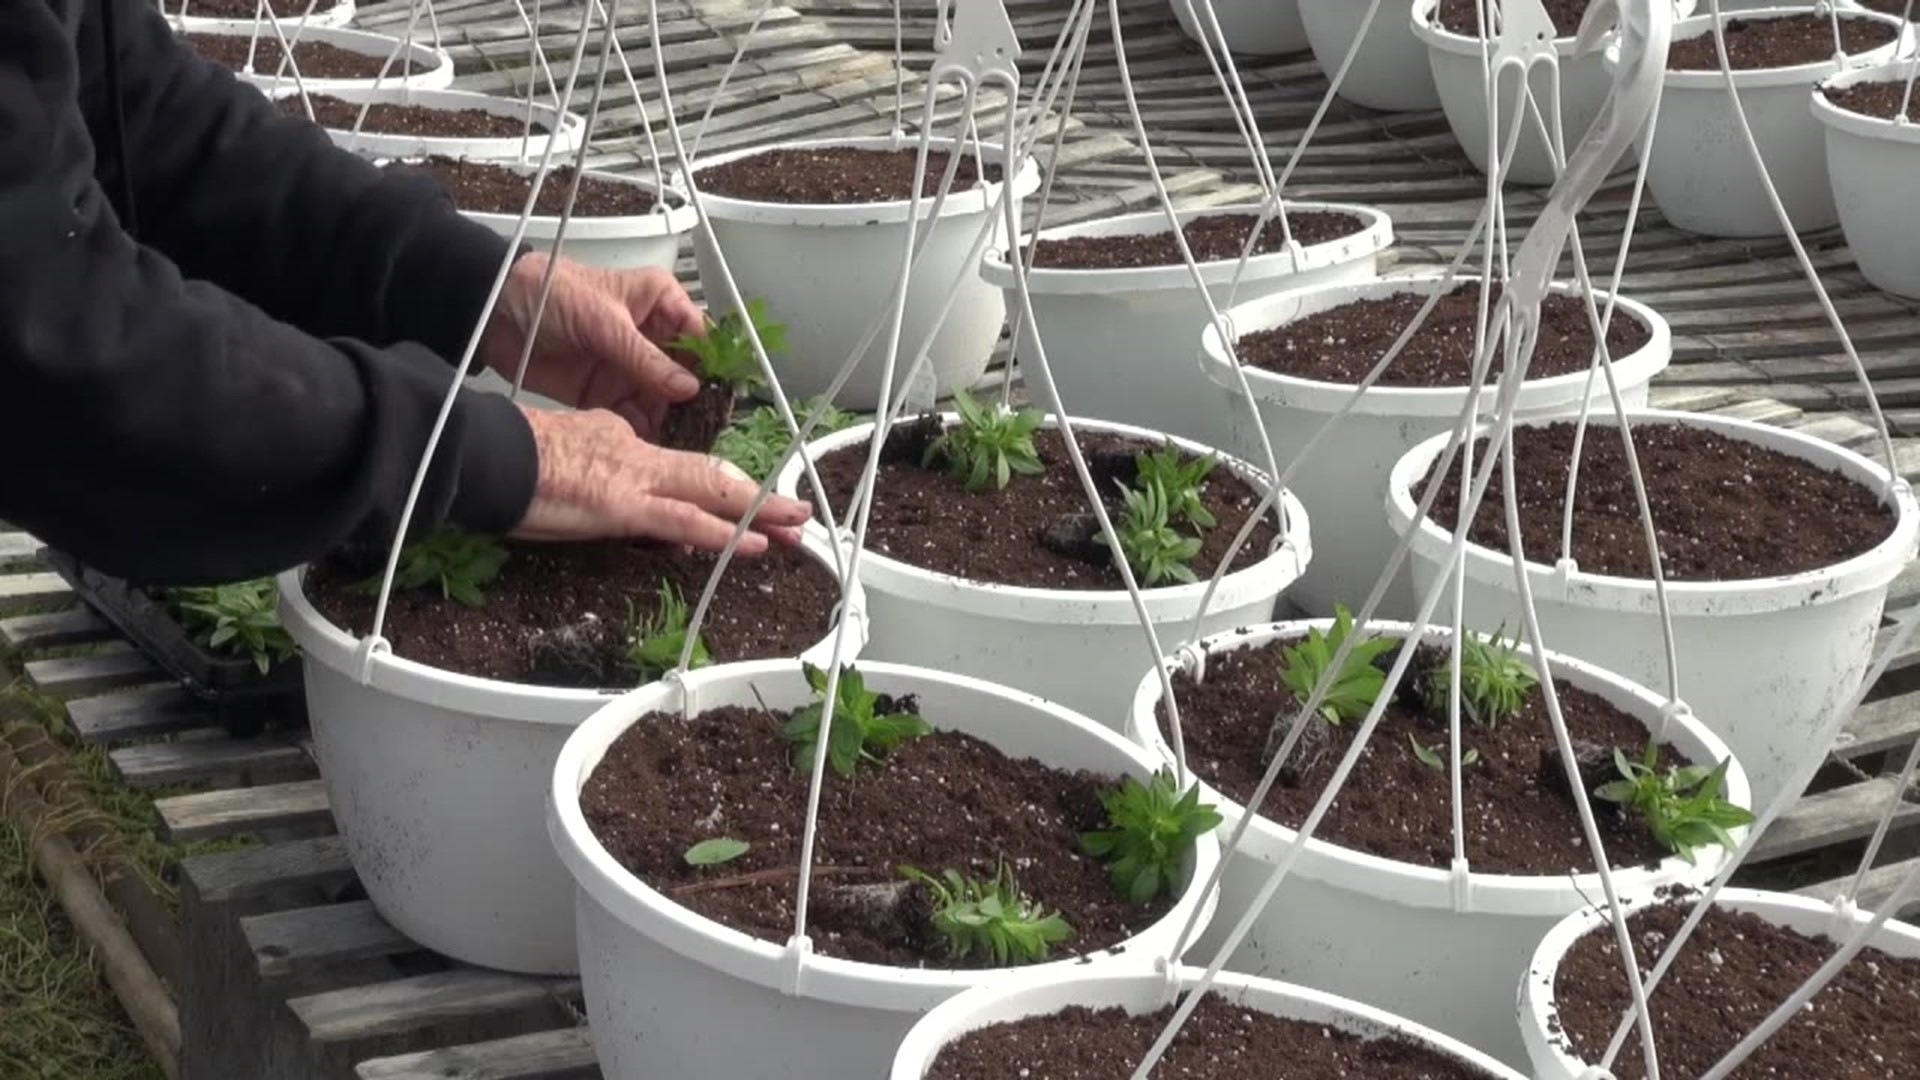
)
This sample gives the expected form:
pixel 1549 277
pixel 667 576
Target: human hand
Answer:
pixel 598 480
pixel 599 344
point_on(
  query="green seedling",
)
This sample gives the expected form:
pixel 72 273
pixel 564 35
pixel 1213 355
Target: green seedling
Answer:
pixel 1180 479
pixel 991 916
pixel 1148 540
pixel 861 732
pixel 1430 756
pixel 658 640
pixel 1494 680
pixel 725 352
pixel 720 849
pixel 1685 807
pixel 988 445
pixel 459 562
pixel 1358 681
pixel 1151 828
pixel 238 618
pixel 757 440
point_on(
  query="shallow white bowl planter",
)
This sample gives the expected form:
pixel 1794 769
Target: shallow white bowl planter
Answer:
pixel 1870 164
pixel 1122 342
pixel 827 272
pixel 672 995
pixel 379 145
pixel 433 68
pixel 436 781
pixel 1252 27
pixel 1548 1046
pixel 1699 170
pixel 1457 61
pixel 1345 483
pixel 1080 649
pixel 1402 937
pixel 1390 73
pixel 1765 662
pixel 339 14
pixel 1139 993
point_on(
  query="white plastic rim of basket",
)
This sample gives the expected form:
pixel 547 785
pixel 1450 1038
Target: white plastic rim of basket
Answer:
pixel 1548 1044
pixel 1866 160
pixel 1019 724
pixel 433 67
pixel 339 13
pixel 377 144
pixel 1145 992
pixel 1389 72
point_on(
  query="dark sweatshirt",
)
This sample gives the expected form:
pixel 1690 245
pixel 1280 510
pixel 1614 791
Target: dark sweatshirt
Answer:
pixel 223 341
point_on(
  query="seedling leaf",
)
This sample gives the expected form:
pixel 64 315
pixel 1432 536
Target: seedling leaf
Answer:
pixel 720 849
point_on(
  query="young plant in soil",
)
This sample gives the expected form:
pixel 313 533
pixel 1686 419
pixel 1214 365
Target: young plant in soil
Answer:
pixel 1685 807
pixel 238 618
pixel 1152 546
pixel 459 562
pixel 866 726
pixel 1351 693
pixel 727 368
pixel 1494 680
pixel 1181 481
pixel 716 852
pixel 1430 756
pixel 660 638
pixel 989 444
pixel 1151 829
pixel 990 916
pixel 757 440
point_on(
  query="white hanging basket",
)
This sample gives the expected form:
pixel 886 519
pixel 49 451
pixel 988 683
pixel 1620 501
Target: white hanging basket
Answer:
pixel 436 779
pixel 1077 648
pixel 1121 343
pixel 1145 992
pixel 1344 484
pixel 1252 27
pixel 672 995
pixel 432 68
pixel 373 144
pixel 1870 163
pixel 1700 172
pixel 828 271
pixel 1765 662
pixel 1548 1046
pixel 340 13
pixel 1405 938
pixel 1458 60
pixel 1390 73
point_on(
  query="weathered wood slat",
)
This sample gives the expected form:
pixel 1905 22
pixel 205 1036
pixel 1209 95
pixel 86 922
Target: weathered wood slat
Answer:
pixel 1878 888
pixel 75 626
pixel 364 1012
pixel 266 758
pixel 1833 817
pixel 1880 726
pixel 105 670
pixel 230 876
pixel 132 714
pixel 209 814
pixel 566 1054
pixel 22 591
pixel 15 546
pixel 287 942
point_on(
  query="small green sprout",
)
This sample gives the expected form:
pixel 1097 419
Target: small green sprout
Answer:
pixel 720 849
pixel 725 351
pixel 1685 808
pixel 238 618
pixel 991 916
pixel 658 640
pixel 1152 828
pixel 860 731
pixel 1155 550
pixel 1358 682
pixel 1431 758
pixel 1494 680
pixel 459 562
pixel 1180 479
pixel 757 440
pixel 989 444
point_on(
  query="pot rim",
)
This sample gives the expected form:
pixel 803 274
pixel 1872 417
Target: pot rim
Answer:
pixel 750 211
pixel 351 39
pixel 1765 78
pixel 1842 119
pixel 674 221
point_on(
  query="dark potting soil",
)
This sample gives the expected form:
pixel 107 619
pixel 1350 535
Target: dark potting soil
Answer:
pixel 1462 17
pixel 388 118
pixel 923 516
pixel 1519 809
pixel 695 424
pixel 1733 972
pixel 244 9
pixel 1341 344
pixel 1881 98
pixel 487 188
pixel 1723 509
pixel 1757 44
pixel 837 175
pixel 317 59
pixel 1212 239
pixel 1221 1041
pixel 558 613
pixel 941 801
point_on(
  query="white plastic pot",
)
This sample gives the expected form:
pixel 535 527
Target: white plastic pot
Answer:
pixel 432 68
pixel 1344 484
pixel 1146 992
pixel 1252 27
pixel 1412 939
pixel 621 243
pixel 378 145
pixel 1121 343
pixel 1390 73
pixel 1766 662
pixel 1459 74
pixel 1700 172
pixel 1869 162
pixel 1080 649
pixel 340 13
pixel 672 995
pixel 436 780
pixel 1549 1047
pixel 829 272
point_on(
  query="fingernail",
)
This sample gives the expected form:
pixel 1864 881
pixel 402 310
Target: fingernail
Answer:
pixel 684 383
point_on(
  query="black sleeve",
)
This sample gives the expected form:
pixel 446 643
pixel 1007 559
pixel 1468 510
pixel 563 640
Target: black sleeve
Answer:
pixel 166 431
pixel 265 206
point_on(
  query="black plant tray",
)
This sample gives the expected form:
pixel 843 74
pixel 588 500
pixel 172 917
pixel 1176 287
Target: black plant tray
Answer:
pixel 240 696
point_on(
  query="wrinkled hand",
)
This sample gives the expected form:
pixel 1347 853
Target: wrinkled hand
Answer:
pixel 601 341
pixel 599 480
